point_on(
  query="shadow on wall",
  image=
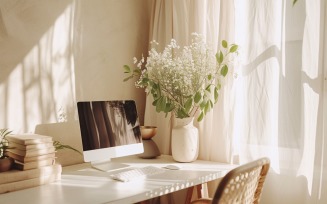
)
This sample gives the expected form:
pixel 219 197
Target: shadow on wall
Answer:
pixel 36 77
pixel 22 25
pixel 67 133
pixel 50 56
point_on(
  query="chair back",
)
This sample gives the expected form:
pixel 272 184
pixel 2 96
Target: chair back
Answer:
pixel 243 184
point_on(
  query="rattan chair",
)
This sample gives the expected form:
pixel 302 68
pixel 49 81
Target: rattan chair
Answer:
pixel 242 185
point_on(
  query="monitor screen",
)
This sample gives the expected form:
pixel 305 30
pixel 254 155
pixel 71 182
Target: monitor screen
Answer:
pixel 109 129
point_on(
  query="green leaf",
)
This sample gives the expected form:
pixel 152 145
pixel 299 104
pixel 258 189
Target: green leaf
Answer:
pixel 181 113
pixel 169 107
pixel 4 144
pixel 220 59
pixel 218 85
pixel 206 107
pixel 233 48
pixel 137 71
pixel 211 104
pixel 59 146
pixel 200 117
pixel 188 104
pixel 158 104
pixel 154 86
pixel 127 69
pixel 4 132
pixel 154 103
pixel 154 94
pixel 197 97
pixel 208 88
pixel 203 105
pixel 224 43
pixel 145 81
pixel 224 70
pixel 161 105
pixel 128 78
pixel 209 77
pixel 294 2
pixel 216 94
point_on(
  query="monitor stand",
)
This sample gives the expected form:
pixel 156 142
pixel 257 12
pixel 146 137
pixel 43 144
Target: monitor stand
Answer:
pixel 107 165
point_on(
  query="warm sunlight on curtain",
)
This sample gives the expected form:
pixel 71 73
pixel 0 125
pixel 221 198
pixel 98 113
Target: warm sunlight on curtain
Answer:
pixel 274 107
pixel 279 93
pixel 178 19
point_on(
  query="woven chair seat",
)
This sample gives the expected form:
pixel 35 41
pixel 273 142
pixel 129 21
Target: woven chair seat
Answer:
pixel 242 185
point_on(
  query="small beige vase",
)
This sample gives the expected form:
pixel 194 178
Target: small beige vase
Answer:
pixel 185 140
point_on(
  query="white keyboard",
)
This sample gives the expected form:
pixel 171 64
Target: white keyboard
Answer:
pixel 132 174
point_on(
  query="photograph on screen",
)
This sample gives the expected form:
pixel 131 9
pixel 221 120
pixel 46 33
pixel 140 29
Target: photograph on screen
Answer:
pixel 108 124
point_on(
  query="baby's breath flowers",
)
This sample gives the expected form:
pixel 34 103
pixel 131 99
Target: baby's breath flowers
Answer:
pixel 185 80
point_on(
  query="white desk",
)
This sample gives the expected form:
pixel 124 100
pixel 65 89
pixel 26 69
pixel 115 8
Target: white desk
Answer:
pixel 83 184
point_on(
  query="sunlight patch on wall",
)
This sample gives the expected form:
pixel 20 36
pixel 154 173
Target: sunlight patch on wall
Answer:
pixel 14 100
pixel 40 87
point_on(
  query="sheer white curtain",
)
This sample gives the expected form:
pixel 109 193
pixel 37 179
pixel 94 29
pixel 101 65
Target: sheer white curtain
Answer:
pixel 178 19
pixel 279 93
pixel 276 106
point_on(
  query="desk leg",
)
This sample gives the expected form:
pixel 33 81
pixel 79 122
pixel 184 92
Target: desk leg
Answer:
pixel 199 190
pixel 190 193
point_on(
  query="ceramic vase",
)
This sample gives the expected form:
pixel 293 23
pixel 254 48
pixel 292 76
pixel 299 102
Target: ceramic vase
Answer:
pixel 185 140
pixel 151 149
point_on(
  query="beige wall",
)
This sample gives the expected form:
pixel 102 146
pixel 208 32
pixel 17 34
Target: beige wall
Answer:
pixel 55 53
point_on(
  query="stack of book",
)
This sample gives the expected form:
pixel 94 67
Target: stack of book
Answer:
pixel 34 165
pixel 31 151
pixel 14 180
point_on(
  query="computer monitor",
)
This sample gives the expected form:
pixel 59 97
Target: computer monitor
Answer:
pixel 109 129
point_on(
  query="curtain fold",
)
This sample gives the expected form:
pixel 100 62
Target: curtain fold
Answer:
pixel 274 103
pixel 279 93
pixel 178 20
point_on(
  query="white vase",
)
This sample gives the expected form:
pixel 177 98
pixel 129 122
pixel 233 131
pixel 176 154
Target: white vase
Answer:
pixel 185 140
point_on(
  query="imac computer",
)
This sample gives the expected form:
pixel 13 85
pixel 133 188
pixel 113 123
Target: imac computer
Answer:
pixel 109 129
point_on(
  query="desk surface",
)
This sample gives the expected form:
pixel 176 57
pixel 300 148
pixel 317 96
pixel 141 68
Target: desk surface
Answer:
pixel 83 184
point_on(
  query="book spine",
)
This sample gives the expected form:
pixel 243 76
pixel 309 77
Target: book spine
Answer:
pixel 14 145
pixel 19 185
pixel 29 141
pixel 30 159
pixel 16 175
pixel 32 153
pixel 40 152
pixel 33 165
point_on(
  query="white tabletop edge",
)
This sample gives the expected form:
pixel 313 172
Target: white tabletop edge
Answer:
pixel 81 183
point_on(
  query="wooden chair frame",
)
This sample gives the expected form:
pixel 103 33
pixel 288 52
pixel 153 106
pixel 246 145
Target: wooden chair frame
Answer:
pixel 242 185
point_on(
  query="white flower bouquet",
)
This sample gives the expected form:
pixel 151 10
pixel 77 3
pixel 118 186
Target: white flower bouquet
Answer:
pixel 183 81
